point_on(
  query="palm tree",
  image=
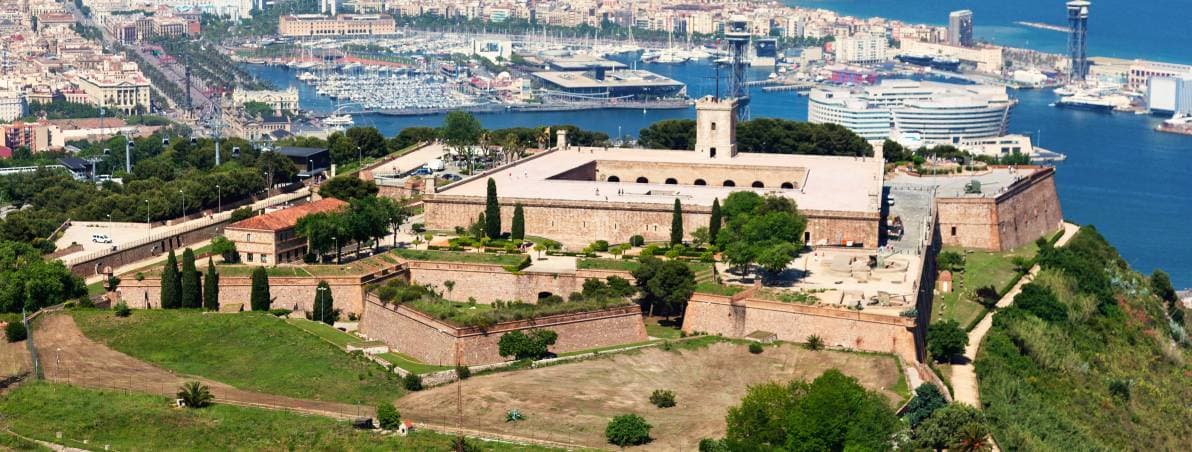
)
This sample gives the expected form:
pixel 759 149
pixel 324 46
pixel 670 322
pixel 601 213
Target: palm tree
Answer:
pixel 195 394
pixel 972 437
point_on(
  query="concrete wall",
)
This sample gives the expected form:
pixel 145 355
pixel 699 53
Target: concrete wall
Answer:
pixel 488 283
pixel 139 253
pixel 434 342
pixel 1029 209
pixel 837 327
pixel 287 292
pixel 579 223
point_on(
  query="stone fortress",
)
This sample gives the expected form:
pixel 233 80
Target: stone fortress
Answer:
pixel 581 194
pixel 857 285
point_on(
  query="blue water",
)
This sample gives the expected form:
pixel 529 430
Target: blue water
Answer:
pixel 1148 29
pixel 1129 181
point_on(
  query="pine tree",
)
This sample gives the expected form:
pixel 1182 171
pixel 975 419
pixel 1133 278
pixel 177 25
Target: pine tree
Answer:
pixel 324 306
pixel 677 224
pixel 492 212
pixel 191 295
pixel 211 287
pixel 170 283
pixel 714 222
pixel 259 297
pixel 518 229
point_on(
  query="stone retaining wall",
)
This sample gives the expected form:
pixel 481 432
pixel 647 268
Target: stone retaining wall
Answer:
pixel 487 283
pixel 289 292
pixel 715 314
pixel 434 342
pixel 1027 210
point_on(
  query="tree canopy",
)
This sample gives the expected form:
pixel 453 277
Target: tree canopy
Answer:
pixel 27 281
pixel 767 230
pixel 664 284
pixel 763 135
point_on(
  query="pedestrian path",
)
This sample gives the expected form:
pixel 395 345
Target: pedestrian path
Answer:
pixel 964 377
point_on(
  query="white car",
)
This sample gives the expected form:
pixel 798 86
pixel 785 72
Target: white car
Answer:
pixel 101 238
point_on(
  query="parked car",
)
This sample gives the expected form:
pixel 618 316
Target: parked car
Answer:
pixel 101 238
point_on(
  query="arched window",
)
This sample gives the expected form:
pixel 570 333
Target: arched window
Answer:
pixel 788 185
pixel 643 180
pixel 758 184
pixel 613 179
pixel 700 182
pixel 730 183
pixel 671 181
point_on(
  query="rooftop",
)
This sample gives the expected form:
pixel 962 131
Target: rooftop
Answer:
pixel 287 218
pixel 299 152
pixel 849 184
pixel 611 79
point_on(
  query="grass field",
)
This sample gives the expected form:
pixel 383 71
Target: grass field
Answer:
pixel 410 364
pixel 326 332
pixel 662 328
pixel 146 422
pixel 981 269
pixel 455 256
pixel 574 402
pixel 718 289
pixel 606 264
pixel 252 351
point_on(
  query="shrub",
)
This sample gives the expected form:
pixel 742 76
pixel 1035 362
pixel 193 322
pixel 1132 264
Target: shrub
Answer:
pixel 637 240
pixel 987 296
pixel 280 312
pixel 463 372
pixel 242 213
pixel 927 399
pixel 814 342
pixel 412 382
pixel 600 245
pixel 521 346
pixel 663 398
pixel 945 340
pixel 122 310
pixel 514 415
pixel 195 394
pixel 1120 388
pixel 15 331
pixel 755 348
pixel 950 260
pixel 627 430
pixel 388 417
pixel 139 276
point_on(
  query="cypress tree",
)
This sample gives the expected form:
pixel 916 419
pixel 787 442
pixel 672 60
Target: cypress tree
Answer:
pixel 714 222
pixel 324 306
pixel 259 297
pixel 191 289
pixel 677 224
pixel 492 212
pixel 170 283
pixel 211 287
pixel 518 229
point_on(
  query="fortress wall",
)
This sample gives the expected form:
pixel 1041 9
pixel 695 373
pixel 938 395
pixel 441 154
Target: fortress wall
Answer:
pixel 488 283
pixel 1029 209
pixel 287 292
pixel 434 342
pixel 579 223
pixel 837 327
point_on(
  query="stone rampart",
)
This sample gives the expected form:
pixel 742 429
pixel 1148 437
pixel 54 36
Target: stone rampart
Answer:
pixel 837 327
pixel 289 292
pixel 435 342
pixel 488 283
pixel 1025 211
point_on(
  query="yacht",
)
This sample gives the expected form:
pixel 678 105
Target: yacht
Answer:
pixel 342 120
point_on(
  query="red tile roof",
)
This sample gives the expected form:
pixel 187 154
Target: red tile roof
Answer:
pixel 287 218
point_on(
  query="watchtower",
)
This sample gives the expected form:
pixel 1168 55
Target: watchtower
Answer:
pixel 716 127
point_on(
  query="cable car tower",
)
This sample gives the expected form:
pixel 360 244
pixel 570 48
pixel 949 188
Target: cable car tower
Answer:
pixel 736 32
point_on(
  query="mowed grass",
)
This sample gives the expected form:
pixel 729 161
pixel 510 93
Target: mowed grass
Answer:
pixel 607 264
pixel 456 256
pixel 148 422
pixel 410 364
pixel 326 332
pixel 253 351
pixel 662 328
pixel 981 269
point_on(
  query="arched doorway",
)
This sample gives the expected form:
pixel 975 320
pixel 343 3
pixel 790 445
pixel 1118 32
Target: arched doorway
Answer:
pixel 788 185
pixel 758 184
pixel 613 179
pixel 730 183
pixel 643 180
pixel 701 182
pixel 671 181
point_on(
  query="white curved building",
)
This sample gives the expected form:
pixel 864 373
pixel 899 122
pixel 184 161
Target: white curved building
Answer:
pixel 937 112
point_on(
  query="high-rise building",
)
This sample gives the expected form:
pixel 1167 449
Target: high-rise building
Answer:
pixel 960 28
pixel 933 112
pixel 1078 21
pixel 862 49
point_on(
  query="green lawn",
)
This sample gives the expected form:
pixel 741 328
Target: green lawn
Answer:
pixel 326 332
pixel 455 256
pixel 718 289
pixel 148 422
pixel 655 328
pixel 607 264
pixel 410 364
pixel 253 351
pixel 981 269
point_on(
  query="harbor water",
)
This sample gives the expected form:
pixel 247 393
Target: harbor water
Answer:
pixel 1120 175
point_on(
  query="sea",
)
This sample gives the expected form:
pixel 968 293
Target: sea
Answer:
pixel 1132 183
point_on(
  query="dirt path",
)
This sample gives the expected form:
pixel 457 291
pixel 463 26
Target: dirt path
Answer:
pixel 70 357
pixel 964 377
pixel 14 358
pixel 573 403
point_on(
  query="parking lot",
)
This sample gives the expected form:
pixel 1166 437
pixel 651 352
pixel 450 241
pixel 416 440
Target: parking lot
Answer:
pixel 81 232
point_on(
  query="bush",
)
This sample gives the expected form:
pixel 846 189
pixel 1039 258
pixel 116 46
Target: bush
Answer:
pixel 388 417
pixel 637 240
pixel 463 372
pixel 627 430
pixel 521 346
pixel 945 340
pixel 15 331
pixel 950 260
pixel 987 296
pixel 280 312
pixel 242 213
pixel 122 310
pixel 412 382
pixel 755 348
pixel 600 245
pixel 663 398
pixel 814 342
pixel 927 399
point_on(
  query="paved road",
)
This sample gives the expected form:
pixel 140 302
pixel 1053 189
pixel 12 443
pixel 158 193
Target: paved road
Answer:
pixel 964 378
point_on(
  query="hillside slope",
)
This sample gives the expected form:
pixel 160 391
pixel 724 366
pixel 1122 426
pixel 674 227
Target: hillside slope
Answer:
pixel 1088 358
